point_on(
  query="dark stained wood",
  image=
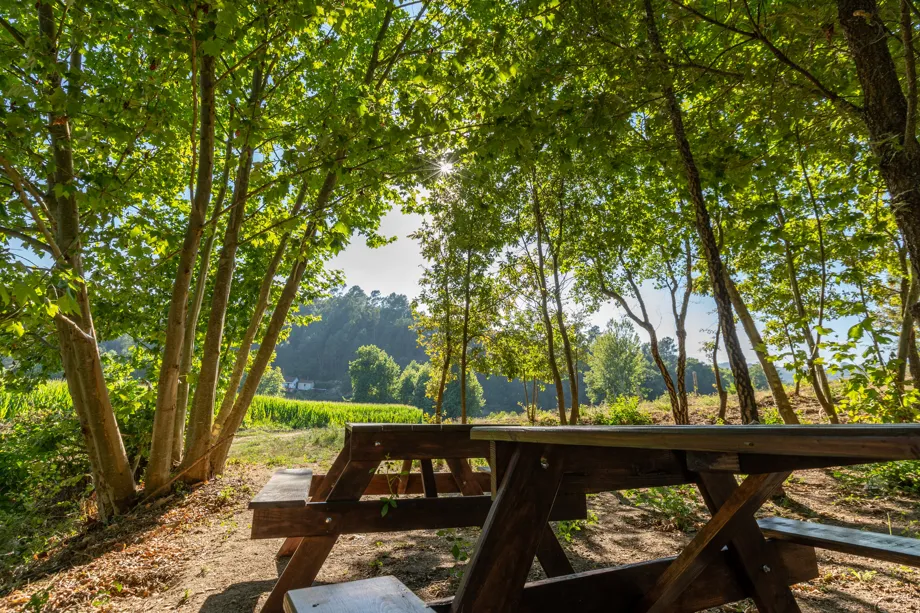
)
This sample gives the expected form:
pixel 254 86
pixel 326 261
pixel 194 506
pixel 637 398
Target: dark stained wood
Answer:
pixel 429 485
pixel 552 556
pixel 310 554
pixel 385 485
pixel 404 472
pixel 887 442
pixel 620 479
pixel 358 517
pixel 288 487
pixel 618 590
pixel 499 458
pixel 319 490
pixel 705 547
pixel 763 572
pixel 377 595
pixel 466 480
pixel 897 549
pixel 414 442
pixel 493 581
pixel 756 463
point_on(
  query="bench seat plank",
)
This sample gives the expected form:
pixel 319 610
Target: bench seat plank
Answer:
pixel 288 487
pixel 377 595
pixel 897 549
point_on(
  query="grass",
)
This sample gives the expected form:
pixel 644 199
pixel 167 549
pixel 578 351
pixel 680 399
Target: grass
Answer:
pixel 274 411
pixel 279 449
pixel 53 394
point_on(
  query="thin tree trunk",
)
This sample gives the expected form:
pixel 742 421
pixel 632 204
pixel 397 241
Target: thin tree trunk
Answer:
pixel 191 326
pixel 816 372
pixel 680 417
pixel 564 334
pixel 680 321
pixel 544 307
pixel 723 395
pixel 760 348
pixel 224 437
pixel 198 436
pixel 906 337
pixel 168 384
pixel 448 348
pixel 466 335
pixel 112 475
pixel 704 228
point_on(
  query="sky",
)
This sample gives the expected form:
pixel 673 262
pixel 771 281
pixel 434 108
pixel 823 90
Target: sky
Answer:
pixel 397 267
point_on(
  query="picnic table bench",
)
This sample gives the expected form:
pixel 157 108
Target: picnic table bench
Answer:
pixel 310 511
pixel 729 559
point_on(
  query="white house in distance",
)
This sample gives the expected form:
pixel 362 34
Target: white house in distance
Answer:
pixel 296 385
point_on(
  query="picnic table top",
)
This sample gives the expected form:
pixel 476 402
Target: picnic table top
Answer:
pixel 880 442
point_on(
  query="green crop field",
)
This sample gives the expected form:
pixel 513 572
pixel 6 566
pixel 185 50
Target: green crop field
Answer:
pixel 267 410
pixel 53 394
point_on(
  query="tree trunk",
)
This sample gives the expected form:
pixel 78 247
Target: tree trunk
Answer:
pixel 680 326
pixel 886 115
pixel 112 475
pixel 191 325
pixel 760 348
pixel 544 307
pixel 723 395
pixel 707 238
pixel 816 372
pixel 224 436
pixel 168 384
pixel 198 436
pixel 564 334
pixel 906 337
pixel 466 335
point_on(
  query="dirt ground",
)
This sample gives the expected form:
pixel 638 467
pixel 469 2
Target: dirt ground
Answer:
pixel 194 553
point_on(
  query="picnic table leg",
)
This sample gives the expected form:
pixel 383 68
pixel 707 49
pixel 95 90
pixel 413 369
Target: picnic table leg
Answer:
pixel 332 475
pixel 494 580
pixel 552 556
pixel 738 507
pixel 464 477
pixel 312 551
pixel 756 563
pixel 428 482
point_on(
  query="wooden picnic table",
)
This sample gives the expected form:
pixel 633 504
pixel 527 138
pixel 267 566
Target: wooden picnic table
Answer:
pixel 531 466
pixel 311 511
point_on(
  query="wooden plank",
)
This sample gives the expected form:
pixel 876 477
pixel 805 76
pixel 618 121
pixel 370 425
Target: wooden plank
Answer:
pixel 756 463
pixel 310 554
pixel 552 556
pixel 425 428
pixel 495 577
pixel 466 480
pixel 872 442
pixel 896 549
pixel 499 458
pixel 377 595
pixel 385 485
pixel 287 487
pixel 618 590
pixel 429 485
pixel 359 517
pixel 764 573
pixel 403 444
pixel 705 547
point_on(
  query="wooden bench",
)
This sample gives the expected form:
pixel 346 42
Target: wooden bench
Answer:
pixel 383 594
pixel 885 547
pixel 288 488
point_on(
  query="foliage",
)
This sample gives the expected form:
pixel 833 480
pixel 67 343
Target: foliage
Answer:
pixel 374 375
pixel 475 400
pixel 616 366
pixel 676 505
pixel 269 410
pixel 623 411
pixel 272 383
pixel 884 478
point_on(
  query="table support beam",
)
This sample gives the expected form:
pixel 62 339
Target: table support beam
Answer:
pixel 704 548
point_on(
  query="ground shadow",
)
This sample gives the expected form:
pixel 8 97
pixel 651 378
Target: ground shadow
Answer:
pixel 241 596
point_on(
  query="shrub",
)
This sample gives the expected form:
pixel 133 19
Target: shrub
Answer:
pixel 624 411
